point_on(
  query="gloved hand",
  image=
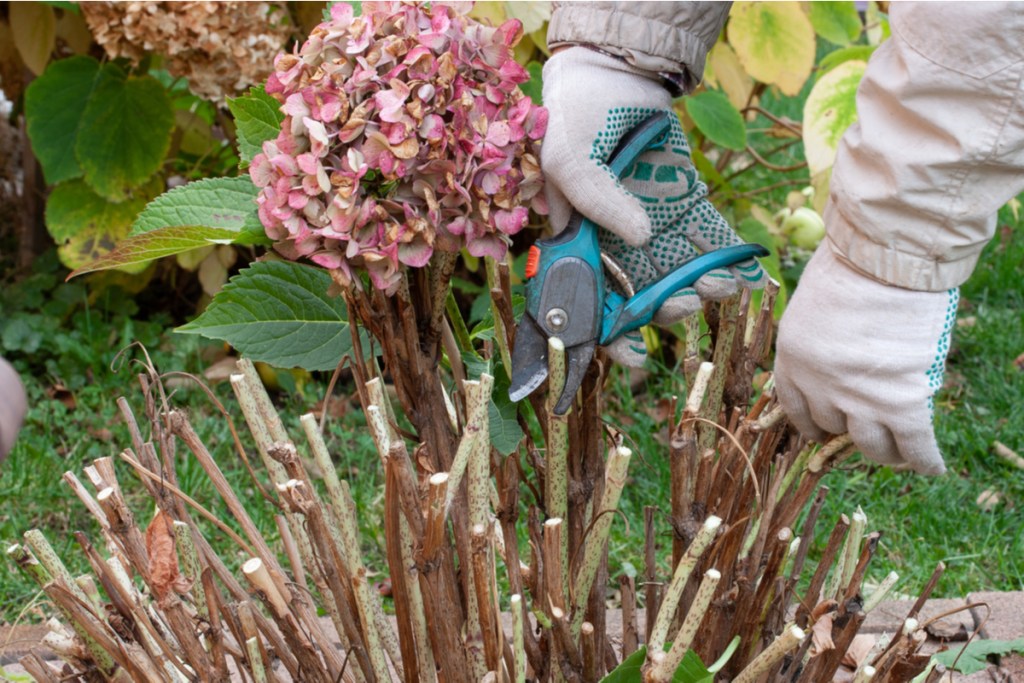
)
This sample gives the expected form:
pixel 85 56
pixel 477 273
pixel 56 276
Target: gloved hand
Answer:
pixel 12 407
pixel 658 216
pixel 857 355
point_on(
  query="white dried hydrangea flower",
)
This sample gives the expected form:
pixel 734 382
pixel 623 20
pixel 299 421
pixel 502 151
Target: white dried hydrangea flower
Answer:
pixel 222 48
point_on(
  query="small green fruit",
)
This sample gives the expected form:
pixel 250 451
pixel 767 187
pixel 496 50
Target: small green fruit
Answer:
pixel 804 227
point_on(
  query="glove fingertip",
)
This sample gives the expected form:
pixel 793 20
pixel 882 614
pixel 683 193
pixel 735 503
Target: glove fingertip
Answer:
pixel 750 274
pixel 636 234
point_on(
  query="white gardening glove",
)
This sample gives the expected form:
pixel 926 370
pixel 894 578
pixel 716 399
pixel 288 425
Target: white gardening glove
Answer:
pixel 855 355
pixel 658 216
pixel 12 407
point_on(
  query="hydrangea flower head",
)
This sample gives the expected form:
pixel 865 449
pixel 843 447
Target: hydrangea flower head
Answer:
pixel 405 131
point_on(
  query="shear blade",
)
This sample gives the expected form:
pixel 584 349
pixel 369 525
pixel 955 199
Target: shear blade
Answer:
pixel 577 360
pixel 529 359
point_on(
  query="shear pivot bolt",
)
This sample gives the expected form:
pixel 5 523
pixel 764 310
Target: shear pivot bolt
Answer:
pixel 557 319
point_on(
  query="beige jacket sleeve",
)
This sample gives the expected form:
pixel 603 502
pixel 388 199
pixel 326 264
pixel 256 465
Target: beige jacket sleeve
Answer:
pixel 938 146
pixel 661 37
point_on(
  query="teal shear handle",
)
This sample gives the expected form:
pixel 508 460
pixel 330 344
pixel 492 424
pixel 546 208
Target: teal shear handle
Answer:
pixel 579 239
pixel 624 315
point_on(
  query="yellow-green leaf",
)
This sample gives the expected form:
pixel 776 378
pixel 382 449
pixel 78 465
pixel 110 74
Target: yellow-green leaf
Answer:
pixel 34 28
pixel 774 41
pixel 149 246
pixel 877 24
pixel 830 109
pixel 842 55
pixel 729 74
pixel 836 22
pixel 86 226
pixel 494 13
pixel 533 15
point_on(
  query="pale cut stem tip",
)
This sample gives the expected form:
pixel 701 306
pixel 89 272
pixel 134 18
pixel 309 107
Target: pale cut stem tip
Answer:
pixel 865 675
pixel 700 387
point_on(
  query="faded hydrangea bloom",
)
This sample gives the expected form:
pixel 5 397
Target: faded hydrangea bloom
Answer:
pixel 222 48
pixel 405 132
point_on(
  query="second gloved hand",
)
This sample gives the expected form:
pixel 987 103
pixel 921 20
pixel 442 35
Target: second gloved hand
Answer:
pixel 657 216
pixel 859 356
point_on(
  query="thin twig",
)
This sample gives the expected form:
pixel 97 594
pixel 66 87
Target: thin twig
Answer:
pixel 210 517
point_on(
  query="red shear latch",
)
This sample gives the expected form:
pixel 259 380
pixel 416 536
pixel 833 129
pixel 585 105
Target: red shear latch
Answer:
pixel 532 261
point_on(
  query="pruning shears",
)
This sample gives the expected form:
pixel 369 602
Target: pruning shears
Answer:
pixel 566 295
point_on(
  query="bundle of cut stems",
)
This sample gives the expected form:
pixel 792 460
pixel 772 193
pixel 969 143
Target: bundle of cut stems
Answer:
pixel 162 605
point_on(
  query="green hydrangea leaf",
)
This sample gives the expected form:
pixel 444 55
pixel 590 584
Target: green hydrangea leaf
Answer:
pixel 258 118
pixel 86 226
pixel 54 104
pixel 829 110
pixel 718 119
pixel 535 86
pixel 753 230
pixel 836 22
pixel 124 132
pixel 842 55
pixel 690 670
pixel 279 313
pixel 228 203
pixel 975 654
pixel 503 424
pixel 149 246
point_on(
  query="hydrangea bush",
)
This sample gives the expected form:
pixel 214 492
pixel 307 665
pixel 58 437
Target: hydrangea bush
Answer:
pixel 405 132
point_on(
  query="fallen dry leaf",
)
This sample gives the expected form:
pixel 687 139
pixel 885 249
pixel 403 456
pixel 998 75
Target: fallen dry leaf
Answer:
pixel 59 392
pixel 859 649
pixel 221 370
pixel 101 433
pixel 988 500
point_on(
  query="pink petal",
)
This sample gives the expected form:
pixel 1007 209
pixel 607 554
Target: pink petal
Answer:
pixel 308 163
pixel 416 254
pixel 487 245
pixel 511 222
pixel 341 13
pixel 432 128
pixel 498 133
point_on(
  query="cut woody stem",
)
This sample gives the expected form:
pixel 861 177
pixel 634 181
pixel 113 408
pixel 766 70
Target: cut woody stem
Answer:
pixel 789 639
pixel 675 589
pixel 664 670
pixel 595 546
pixel 556 460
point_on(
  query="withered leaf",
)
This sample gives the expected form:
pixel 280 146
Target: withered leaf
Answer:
pixel 163 556
pixel 859 649
pixel 821 634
